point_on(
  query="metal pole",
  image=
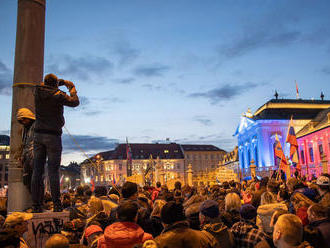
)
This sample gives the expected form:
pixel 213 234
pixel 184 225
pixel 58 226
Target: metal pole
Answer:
pixel 29 60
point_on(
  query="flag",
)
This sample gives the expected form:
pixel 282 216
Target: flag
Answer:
pixel 279 155
pixel 114 179
pixel 292 140
pixel 297 90
pixel 61 180
pixel 92 183
pixel 128 158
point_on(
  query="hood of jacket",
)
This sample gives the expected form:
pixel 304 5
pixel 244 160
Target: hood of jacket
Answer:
pixel 269 209
pixel 124 234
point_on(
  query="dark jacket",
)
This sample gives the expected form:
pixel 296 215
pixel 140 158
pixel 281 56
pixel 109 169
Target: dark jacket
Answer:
pixel 220 232
pixel 157 226
pixel 49 102
pixel 317 233
pixel 229 218
pixel 179 235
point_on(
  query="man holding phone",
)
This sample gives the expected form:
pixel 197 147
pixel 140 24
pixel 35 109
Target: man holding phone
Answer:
pixel 49 106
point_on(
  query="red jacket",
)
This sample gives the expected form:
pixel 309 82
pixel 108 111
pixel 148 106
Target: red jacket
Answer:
pixel 155 194
pixel 123 235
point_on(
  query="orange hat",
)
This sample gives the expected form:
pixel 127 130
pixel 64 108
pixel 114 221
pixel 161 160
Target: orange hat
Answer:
pixel 92 229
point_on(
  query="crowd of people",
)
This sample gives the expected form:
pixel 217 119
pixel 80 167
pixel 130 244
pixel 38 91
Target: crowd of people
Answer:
pixel 257 213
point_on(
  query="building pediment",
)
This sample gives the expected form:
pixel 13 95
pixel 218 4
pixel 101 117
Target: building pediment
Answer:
pixel 245 123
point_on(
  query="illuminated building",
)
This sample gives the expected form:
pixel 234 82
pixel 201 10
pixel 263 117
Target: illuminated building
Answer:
pixel 314 144
pixel 256 132
pixel 4 159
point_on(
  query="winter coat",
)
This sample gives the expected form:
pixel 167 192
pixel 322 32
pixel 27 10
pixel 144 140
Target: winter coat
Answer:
pixel 157 226
pixel 155 193
pixel 49 102
pixel 317 233
pixel 123 235
pixel 192 214
pixel 265 213
pixel 220 232
pixel 179 235
pixel 229 218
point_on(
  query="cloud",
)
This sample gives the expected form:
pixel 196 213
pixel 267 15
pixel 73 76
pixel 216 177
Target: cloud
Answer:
pixel 82 67
pixel 151 70
pixel 124 80
pixel 250 41
pixel 126 53
pixel 326 70
pixel 6 79
pixel 151 87
pixel 225 92
pixel 87 143
pixel 111 99
pixel 203 120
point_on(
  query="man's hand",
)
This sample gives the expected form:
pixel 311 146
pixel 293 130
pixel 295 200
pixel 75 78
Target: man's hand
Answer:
pixel 68 84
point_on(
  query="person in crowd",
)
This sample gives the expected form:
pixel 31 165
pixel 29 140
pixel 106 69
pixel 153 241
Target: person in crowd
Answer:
pixel 156 191
pixel 9 239
pixel 273 187
pixel 232 207
pixel 149 244
pixel 27 119
pixel 192 212
pixel 177 233
pixel 246 232
pixel 288 232
pixel 17 222
pixel 47 144
pixel 210 222
pixel 125 233
pixel 256 196
pixel 156 223
pixel 275 217
pixel 266 209
pixel 57 241
pixel 283 197
pixel 323 183
pixel 92 235
pixel 300 204
pixel 317 232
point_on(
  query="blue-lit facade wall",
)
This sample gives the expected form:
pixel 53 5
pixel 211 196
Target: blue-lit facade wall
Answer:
pixel 256 140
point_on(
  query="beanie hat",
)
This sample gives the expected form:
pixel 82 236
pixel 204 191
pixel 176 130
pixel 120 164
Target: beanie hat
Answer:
pixel 92 229
pixel 209 208
pixel 323 181
pixel 172 212
pixel 248 212
pixel 25 113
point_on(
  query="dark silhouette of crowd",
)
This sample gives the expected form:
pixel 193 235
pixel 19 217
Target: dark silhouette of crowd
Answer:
pixel 261 213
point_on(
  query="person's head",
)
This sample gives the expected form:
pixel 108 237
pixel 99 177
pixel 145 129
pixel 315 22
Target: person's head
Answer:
pixel 158 205
pixel 282 195
pixel 92 232
pixel 129 191
pixel 317 212
pixel 17 221
pixel 177 185
pixel 288 231
pixel 267 198
pixel 51 80
pixel 9 239
pixel 100 191
pixel 25 116
pixel 114 198
pixel 248 212
pixel 208 210
pixel 275 216
pixel 172 212
pixel 57 241
pixel 158 184
pixel 323 183
pixel 273 186
pixel 149 244
pixel 95 205
pixel 127 211
pixel 291 183
pixel 232 202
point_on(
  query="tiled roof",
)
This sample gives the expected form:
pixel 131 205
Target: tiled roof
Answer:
pixel 200 148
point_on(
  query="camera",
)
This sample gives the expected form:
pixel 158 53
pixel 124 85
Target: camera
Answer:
pixel 60 82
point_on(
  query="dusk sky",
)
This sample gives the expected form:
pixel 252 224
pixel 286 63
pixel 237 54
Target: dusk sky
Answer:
pixel 184 70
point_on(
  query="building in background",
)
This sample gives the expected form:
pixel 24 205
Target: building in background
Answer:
pixel 4 159
pixel 256 132
pixel 228 168
pixel 70 175
pixel 314 145
pixel 204 160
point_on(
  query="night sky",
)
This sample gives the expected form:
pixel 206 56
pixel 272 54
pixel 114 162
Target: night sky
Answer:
pixel 183 70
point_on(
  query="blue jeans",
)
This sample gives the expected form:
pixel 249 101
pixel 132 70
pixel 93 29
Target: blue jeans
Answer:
pixel 46 146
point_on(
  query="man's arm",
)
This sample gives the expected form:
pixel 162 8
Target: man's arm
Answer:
pixel 71 100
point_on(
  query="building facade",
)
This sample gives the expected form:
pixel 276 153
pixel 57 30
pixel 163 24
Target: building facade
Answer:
pixel 314 145
pixel 4 159
pixel 256 132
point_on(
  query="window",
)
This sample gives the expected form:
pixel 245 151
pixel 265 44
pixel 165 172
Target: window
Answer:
pixel 206 156
pixel 311 154
pixel 6 177
pixel 0 167
pixel 321 150
pixel 7 156
pixel 302 156
pixel 1 156
pixel 178 166
pixel 212 156
pixel 120 167
pixel 187 156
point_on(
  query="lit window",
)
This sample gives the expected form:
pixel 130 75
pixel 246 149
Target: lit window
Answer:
pixel 165 151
